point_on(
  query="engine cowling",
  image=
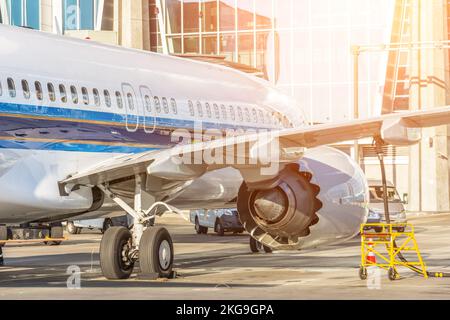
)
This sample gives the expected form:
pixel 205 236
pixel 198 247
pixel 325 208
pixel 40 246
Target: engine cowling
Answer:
pixel 278 213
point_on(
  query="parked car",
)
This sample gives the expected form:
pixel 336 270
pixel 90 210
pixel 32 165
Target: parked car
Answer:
pixel 102 224
pixel 220 220
pixel 376 205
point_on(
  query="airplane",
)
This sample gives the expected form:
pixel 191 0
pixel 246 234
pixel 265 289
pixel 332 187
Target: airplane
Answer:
pixel 86 128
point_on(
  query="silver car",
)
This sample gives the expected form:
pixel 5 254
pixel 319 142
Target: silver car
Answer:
pixel 376 206
pixel 221 220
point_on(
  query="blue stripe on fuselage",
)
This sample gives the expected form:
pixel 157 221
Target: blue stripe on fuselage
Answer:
pixel 19 123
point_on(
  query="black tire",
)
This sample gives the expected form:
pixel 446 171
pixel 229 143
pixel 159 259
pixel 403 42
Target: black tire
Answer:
pixel 267 249
pixel 362 273
pixel 219 228
pixel 401 229
pixel 392 274
pixel 3 235
pixel 111 260
pixel 255 246
pixel 151 259
pixel 198 227
pixel 106 225
pixel 378 229
pixel 70 227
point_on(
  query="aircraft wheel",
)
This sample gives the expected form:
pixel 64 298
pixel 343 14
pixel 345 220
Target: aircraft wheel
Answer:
pixel 114 249
pixel 156 252
pixel 255 246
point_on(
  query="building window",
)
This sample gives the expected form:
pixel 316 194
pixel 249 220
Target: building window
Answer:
pixel 107 98
pixel 26 89
pixel 11 88
pixel 130 101
pixel 148 104
pixel 24 13
pixel 173 104
pixel 38 88
pixel 208 110
pixel 157 105
pixel 96 97
pixel 191 108
pixel 80 14
pixel 85 93
pixel 62 92
pixel 200 109
pixel 74 93
pixel 51 92
pixel 119 100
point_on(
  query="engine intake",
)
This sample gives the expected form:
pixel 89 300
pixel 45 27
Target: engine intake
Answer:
pixel 279 212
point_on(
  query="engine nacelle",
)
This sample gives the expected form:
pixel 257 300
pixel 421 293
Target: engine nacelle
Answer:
pixel 320 200
pixel 280 211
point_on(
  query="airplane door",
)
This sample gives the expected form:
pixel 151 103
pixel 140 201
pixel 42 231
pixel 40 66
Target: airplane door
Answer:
pixel 149 115
pixel 132 111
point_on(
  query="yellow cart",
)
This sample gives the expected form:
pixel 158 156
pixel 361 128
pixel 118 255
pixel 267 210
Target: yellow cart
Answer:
pixel 387 244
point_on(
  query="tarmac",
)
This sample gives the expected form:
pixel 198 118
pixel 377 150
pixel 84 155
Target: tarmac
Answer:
pixel 214 267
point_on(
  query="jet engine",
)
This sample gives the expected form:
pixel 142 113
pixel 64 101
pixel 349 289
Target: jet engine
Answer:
pixel 279 212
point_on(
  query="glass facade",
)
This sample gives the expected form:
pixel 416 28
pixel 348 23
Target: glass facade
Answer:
pixel 303 46
pixel 80 14
pixel 24 13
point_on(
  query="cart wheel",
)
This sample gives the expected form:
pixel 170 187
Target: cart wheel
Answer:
pixel 363 273
pixel 392 274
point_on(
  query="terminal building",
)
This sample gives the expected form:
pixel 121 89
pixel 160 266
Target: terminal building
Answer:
pixel 304 47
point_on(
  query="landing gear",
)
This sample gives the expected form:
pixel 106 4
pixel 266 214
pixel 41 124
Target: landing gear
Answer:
pixel 156 252
pixel 257 247
pixel 151 246
pixel 115 247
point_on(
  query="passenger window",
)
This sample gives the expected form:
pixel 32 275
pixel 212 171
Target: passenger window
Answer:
pixel 11 88
pixel 240 116
pixel 51 92
pixel 96 97
pixel 208 110
pixel 261 116
pixel 216 111
pixel 62 92
pixel 173 104
pixel 224 112
pixel 85 94
pixel 191 108
pixel 255 115
pixel 74 93
pixel 39 93
pixel 148 104
pixel 26 89
pixel 200 109
pixel 165 105
pixel 107 98
pixel 157 105
pixel 247 115
pixel 130 101
pixel 232 114
pixel 119 100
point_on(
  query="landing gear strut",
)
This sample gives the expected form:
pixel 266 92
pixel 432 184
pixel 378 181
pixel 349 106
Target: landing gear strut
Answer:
pixel 151 246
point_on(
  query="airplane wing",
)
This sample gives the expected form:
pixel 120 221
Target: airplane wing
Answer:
pixel 394 129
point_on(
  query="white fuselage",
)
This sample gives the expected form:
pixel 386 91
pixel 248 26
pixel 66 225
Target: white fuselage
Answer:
pixel 67 104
